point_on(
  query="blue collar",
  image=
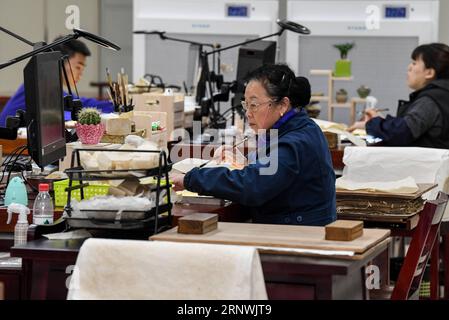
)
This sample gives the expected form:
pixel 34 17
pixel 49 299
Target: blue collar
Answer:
pixel 284 119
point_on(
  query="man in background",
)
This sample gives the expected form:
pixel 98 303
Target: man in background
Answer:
pixel 77 52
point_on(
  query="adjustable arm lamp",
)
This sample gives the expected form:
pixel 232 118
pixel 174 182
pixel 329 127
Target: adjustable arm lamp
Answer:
pixel 162 36
pixel 13 123
pixel 77 33
pixel 205 75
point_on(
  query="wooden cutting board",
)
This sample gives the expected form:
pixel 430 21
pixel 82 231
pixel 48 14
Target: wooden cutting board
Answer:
pixel 282 236
pixel 422 188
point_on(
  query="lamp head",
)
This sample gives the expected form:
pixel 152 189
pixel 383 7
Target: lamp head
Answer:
pixel 97 39
pixel 292 26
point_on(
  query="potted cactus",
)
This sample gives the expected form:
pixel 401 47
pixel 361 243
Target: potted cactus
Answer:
pixel 343 66
pixel 89 128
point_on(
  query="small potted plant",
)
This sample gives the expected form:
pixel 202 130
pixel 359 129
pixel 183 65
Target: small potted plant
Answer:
pixel 89 128
pixel 343 66
pixel 341 96
pixel 363 91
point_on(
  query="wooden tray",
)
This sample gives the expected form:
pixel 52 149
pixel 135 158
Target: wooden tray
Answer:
pixel 422 188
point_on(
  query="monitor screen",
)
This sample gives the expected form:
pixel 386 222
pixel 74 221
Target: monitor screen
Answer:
pixel 45 108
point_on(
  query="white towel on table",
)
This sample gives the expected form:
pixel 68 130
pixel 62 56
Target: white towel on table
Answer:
pixel 129 269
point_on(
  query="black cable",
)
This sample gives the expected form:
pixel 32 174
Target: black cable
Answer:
pixel 73 78
pixel 5 164
pixel 6 161
pixel 28 183
pixel 12 166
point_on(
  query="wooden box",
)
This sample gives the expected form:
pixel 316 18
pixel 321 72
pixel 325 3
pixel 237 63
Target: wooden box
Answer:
pixel 332 139
pixel 344 230
pixel 198 223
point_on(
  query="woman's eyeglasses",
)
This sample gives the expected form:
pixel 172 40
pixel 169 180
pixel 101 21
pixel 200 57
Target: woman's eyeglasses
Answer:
pixel 253 106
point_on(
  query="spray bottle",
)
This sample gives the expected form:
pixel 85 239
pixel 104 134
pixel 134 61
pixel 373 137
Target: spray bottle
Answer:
pixel 21 229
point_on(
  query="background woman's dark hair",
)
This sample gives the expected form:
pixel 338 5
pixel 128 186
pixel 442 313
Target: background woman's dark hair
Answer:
pixel 280 81
pixel 436 56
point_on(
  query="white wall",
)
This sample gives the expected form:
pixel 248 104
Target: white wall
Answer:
pixel 444 21
pixel 26 17
pixel 89 21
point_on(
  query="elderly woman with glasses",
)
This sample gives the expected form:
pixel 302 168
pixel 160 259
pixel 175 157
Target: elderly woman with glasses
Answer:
pixel 292 181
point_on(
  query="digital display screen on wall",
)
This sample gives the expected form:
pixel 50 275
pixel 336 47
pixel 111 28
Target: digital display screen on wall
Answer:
pixel 237 11
pixel 395 12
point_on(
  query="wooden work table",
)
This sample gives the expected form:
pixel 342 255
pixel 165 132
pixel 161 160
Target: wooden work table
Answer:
pixel 288 276
pixel 291 270
pixel 44 262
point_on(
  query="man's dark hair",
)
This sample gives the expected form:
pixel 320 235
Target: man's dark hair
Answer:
pixel 436 56
pixel 72 47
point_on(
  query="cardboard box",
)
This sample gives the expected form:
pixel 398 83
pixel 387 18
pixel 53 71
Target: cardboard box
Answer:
pixel 344 230
pixel 172 105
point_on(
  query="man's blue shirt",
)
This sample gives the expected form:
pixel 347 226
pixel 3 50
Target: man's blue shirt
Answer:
pixel 17 102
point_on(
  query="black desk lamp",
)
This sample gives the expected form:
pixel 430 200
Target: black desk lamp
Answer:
pixel 13 123
pixel 207 77
pixel 217 119
pixel 162 35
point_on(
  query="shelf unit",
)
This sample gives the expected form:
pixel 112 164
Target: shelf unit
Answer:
pixel 126 220
pixel 330 98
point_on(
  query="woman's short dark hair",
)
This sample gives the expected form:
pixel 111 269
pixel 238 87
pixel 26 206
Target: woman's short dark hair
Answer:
pixel 280 81
pixel 435 56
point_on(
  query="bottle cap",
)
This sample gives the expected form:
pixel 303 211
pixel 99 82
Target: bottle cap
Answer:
pixel 44 187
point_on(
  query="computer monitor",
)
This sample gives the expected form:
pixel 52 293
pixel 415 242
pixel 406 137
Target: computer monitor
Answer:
pixel 45 108
pixel 251 57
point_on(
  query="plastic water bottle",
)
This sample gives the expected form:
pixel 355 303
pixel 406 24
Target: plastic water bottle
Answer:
pixel 43 206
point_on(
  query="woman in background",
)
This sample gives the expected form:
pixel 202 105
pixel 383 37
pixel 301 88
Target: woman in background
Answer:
pixel 424 120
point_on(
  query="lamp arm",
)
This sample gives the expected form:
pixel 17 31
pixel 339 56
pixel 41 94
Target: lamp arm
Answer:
pixel 245 42
pixel 14 35
pixel 39 50
pixel 164 37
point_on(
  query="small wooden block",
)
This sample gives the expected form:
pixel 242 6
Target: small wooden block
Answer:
pixel 2 291
pixel 198 223
pixel 344 230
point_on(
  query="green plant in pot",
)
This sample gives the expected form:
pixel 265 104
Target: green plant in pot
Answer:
pixel 363 91
pixel 89 128
pixel 343 66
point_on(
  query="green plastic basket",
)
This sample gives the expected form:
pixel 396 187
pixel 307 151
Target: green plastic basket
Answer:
pixel 91 191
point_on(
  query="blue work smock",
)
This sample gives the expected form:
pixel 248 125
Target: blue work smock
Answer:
pixel 302 189
pixel 17 102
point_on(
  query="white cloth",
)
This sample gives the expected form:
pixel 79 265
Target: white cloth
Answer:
pixel 425 165
pixel 129 269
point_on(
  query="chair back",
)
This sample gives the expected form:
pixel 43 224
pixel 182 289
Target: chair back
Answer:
pixel 423 239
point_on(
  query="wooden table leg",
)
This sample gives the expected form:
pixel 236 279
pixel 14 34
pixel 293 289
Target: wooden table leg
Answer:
pixel 39 281
pixel 446 265
pixel 435 269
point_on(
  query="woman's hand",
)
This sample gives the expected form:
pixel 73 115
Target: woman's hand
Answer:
pixel 357 125
pixel 178 181
pixel 368 115
pixel 230 155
